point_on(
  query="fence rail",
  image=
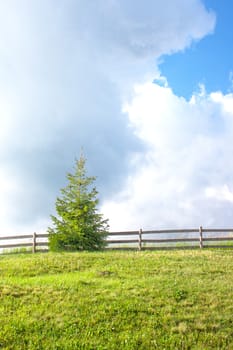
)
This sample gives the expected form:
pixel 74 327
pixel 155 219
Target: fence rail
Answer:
pixel 137 240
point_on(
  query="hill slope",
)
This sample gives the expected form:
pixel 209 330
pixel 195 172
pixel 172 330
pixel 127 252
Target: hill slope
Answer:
pixel 117 300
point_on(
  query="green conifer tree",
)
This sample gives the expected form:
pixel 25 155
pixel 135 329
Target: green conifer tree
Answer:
pixel 78 226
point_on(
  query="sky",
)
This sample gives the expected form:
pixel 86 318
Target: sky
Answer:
pixel 212 54
pixel 144 88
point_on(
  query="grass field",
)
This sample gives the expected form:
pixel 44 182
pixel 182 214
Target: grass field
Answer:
pixel 117 300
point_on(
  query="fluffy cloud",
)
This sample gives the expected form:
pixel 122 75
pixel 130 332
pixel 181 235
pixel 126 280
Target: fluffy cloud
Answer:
pixel 185 177
pixel 66 68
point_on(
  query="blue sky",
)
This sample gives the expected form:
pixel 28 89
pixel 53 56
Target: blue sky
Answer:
pixel 208 61
pixel 78 74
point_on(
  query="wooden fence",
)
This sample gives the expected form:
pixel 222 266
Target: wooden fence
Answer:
pixel 172 239
pixel 139 240
pixel 31 242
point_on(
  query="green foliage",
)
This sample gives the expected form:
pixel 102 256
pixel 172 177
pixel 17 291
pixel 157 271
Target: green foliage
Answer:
pixel 117 300
pixel 180 294
pixel 78 226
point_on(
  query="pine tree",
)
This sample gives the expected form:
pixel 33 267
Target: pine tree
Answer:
pixel 78 226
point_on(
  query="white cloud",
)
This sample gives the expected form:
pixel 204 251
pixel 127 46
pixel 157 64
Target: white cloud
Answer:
pixel 222 193
pixel 184 178
pixel 66 68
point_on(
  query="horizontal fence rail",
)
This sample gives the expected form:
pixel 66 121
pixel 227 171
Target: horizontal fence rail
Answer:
pixel 138 240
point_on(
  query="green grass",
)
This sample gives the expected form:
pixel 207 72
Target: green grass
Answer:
pixel 117 300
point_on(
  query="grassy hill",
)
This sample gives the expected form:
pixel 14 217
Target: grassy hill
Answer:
pixel 117 300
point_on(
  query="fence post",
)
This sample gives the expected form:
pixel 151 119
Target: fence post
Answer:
pixel 34 242
pixel 140 239
pixel 200 237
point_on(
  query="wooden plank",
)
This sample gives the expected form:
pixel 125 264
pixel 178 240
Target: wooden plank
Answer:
pixel 171 247
pixel 42 235
pixel 122 241
pixel 125 233
pixel 34 242
pixel 200 237
pixel 140 240
pixel 171 231
pixel 167 240
pixel 18 245
pixel 15 237
pixel 122 248
pixel 217 230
